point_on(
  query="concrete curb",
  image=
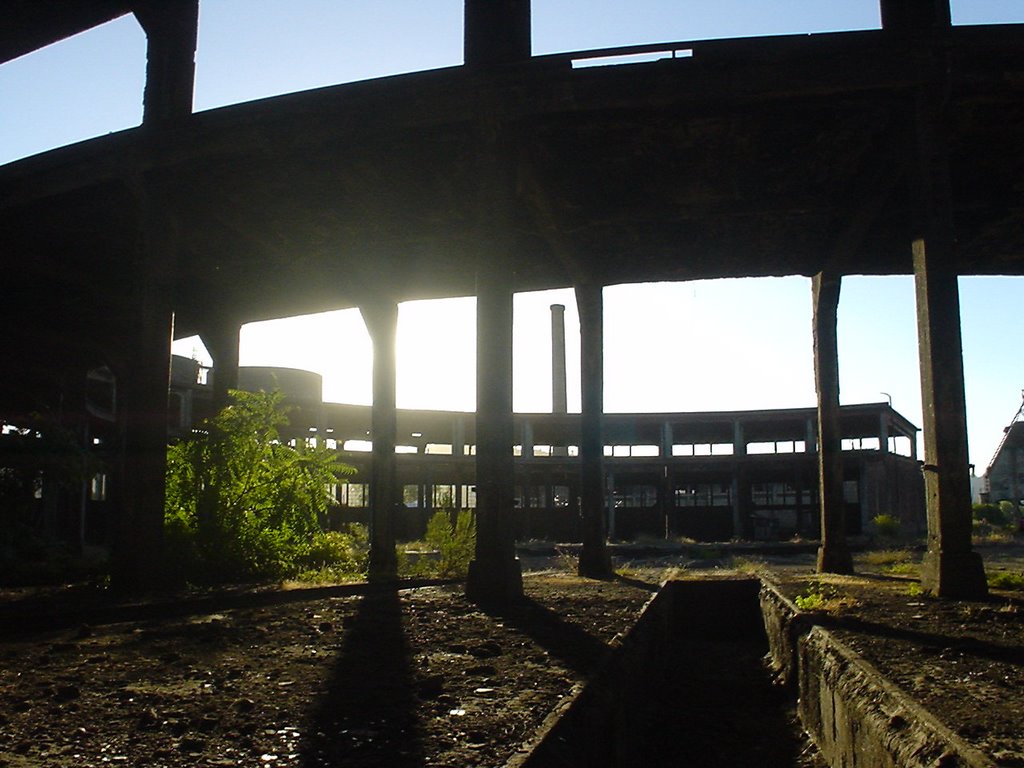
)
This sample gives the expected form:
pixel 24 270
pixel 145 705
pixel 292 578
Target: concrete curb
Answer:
pixel 852 712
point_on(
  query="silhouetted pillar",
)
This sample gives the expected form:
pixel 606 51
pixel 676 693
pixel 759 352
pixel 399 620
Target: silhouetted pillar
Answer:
pixel 950 568
pixel 739 486
pixel 381 318
pixel 143 379
pixel 913 16
pixel 496 32
pixel 833 555
pixel 595 561
pixel 883 432
pixel 494 575
pixel 221 338
pixel 558 387
pixel 527 439
pixel 171 28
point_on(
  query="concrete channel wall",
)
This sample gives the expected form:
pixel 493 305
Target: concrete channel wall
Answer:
pixel 599 723
pixel 857 718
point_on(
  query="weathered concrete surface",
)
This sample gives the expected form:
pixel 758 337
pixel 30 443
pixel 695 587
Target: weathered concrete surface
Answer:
pixel 854 715
pixel 784 625
pixel 643 706
pixel 858 718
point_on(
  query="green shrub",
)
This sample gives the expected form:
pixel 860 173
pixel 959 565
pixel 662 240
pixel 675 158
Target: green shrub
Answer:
pixel 454 545
pixel 811 599
pixel 886 526
pixel 886 557
pixel 336 555
pixel 241 505
pixel 993 514
pixel 1006 580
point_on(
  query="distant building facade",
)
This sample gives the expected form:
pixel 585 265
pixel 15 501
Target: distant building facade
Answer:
pixel 707 476
pixel 1005 474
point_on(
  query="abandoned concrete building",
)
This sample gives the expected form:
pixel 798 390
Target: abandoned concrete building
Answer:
pixel 705 476
pixel 1004 477
pixel 889 151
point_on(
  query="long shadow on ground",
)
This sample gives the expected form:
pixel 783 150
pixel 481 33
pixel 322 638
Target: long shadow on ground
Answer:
pixel 366 716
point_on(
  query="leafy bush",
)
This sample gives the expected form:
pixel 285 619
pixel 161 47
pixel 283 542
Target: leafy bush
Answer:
pixel 993 514
pixel 811 599
pixel 1006 580
pixel 455 546
pixel 824 598
pixel 240 503
pixel 886 557
pixel 886 526
pixel 336 555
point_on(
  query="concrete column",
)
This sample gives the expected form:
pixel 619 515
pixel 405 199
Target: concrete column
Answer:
pixel 496 32
pixel 903 17
pixel 950 568
pixel 171 29
pixel 595 561
pixel 739 440
pixel 381 320
pixel 812 436
pixel 143 379
pixel 833 555
pixel 221 338
pixel 559 403
pixel 527 439
pixel 458 437
pixel 667 440
pixel 883 432
pixel 494 575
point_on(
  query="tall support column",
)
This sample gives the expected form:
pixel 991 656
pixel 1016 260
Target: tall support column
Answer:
pixel 496 32
pixel 494 575
pixel 595 561
pixel 833 555
pixel 381 318
pixel 222 342
pixel 739 489
pixel 950 568
pixel 171 30
pixel 143 379
pixel 558 387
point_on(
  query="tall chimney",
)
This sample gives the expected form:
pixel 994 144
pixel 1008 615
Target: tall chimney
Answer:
pixel 558 398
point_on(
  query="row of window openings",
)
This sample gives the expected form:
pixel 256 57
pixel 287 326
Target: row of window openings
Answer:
pixel 558 496
pixel 899 445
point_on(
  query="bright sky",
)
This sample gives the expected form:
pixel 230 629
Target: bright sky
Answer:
pixel 731 344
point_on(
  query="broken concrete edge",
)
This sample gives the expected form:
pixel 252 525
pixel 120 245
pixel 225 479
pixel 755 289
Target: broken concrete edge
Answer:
pixel 19 620
pixel 851 711
pixel 855 715
pixel 616 666
pixel 784 624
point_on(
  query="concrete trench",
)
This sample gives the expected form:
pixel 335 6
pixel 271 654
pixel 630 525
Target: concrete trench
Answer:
pixel 688 686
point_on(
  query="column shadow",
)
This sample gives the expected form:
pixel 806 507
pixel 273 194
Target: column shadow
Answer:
pixel 367 714
pixel 566 641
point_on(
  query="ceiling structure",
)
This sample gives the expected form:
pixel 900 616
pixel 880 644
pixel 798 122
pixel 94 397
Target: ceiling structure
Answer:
pixel 767 156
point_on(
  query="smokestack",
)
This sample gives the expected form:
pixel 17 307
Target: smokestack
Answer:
pixel 558 399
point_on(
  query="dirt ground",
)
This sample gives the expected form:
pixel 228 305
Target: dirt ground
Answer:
pixel 331 677
pixel 963 660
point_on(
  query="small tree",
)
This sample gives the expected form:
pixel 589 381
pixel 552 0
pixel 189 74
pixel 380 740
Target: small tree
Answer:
pixel 240 503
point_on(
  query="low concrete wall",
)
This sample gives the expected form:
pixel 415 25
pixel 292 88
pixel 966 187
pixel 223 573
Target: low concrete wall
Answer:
pixel 598 724
pixel 592 726
pixel 854 715
pixel 784 625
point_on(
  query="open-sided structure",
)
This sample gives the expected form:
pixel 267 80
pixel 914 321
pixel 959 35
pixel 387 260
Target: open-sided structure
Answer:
pixel 890 151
